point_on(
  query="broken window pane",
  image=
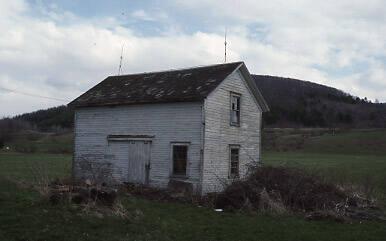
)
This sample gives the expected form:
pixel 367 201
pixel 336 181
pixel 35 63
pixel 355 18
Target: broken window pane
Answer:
pixel 235 109
pixel 180 156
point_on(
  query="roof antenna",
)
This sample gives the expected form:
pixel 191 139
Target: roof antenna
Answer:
pixel 225 46
pixel 120 61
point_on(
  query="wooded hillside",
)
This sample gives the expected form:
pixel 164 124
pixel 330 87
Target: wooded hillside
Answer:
pixel 293 103
pixel 297 103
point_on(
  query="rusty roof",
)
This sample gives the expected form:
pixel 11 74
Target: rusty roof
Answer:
pixel 182 85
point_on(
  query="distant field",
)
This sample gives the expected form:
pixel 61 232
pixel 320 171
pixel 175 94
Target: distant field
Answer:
pixel 367 141
pixel 37 142
pixel 348 157
pixel 371 142
pixel 23 166
pixel 340 168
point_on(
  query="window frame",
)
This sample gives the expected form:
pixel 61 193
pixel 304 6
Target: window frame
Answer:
pixel 172 145
pixel 230 174
pixel 238 112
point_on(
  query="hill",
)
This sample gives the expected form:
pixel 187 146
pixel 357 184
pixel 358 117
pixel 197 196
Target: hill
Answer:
pixel 293 103
pixel 57 120
pixel 298 103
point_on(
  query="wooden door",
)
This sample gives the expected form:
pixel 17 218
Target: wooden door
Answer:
pixel 138 161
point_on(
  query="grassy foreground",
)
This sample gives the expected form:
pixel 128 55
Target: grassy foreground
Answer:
pixel 24 215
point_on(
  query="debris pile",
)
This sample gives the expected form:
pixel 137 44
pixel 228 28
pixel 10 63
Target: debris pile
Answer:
pixel 283 189
pixel 82 194
pixel 166 195
pixel 275 190
pixel 294 188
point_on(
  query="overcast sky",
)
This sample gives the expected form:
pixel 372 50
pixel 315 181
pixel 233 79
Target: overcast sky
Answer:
pixel 62 48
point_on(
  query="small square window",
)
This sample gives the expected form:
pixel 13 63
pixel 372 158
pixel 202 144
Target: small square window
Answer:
pixel 235 109
pixel 234 155
pixel 180 157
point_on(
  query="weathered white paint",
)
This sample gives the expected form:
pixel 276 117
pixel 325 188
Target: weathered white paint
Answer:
pixel 168 123
pixel 117 153
pixel 204 126
pixel 131 159
pixel 139 159
pixel 219 134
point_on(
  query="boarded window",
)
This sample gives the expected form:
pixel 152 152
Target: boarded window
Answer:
pixel 180 157
pixel 235 109
pixel 234 161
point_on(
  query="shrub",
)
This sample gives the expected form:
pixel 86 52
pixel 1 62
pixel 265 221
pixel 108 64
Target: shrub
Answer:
pixel 294 188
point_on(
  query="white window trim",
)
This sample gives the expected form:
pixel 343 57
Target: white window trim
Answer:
pixel 234 94
pixel 172 144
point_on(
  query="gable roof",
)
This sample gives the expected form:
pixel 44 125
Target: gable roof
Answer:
pixel 182 85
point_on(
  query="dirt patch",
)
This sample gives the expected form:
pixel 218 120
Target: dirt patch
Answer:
pixel 167 195
pixel 65 191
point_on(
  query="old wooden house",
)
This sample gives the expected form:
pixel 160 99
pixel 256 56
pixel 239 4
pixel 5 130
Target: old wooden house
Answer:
pixel 199 127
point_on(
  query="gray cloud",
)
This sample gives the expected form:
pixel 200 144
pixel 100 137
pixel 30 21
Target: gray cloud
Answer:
pixel 62 55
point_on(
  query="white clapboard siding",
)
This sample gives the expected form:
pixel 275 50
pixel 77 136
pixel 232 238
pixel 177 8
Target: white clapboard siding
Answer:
pixel 219 134
pixel 167 122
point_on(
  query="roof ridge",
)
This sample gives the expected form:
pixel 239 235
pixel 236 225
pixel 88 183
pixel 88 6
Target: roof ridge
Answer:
pixel 177 85
pixel 178 69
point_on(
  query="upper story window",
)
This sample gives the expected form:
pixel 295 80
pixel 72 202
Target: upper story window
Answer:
pixel 235 109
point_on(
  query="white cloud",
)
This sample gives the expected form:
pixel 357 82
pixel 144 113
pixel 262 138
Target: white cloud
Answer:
pixel 302 34
pixel 62 55
pixel 42 56
pixel 143 15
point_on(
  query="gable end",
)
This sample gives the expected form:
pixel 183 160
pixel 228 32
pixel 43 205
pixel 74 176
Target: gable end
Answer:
pixel 253 87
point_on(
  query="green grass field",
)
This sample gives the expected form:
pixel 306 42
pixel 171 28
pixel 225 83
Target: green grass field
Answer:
pixel 20 166
pixel 358 142
pixel 37 142
pixel 24 215
pixel 355 157
pixel 366 170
